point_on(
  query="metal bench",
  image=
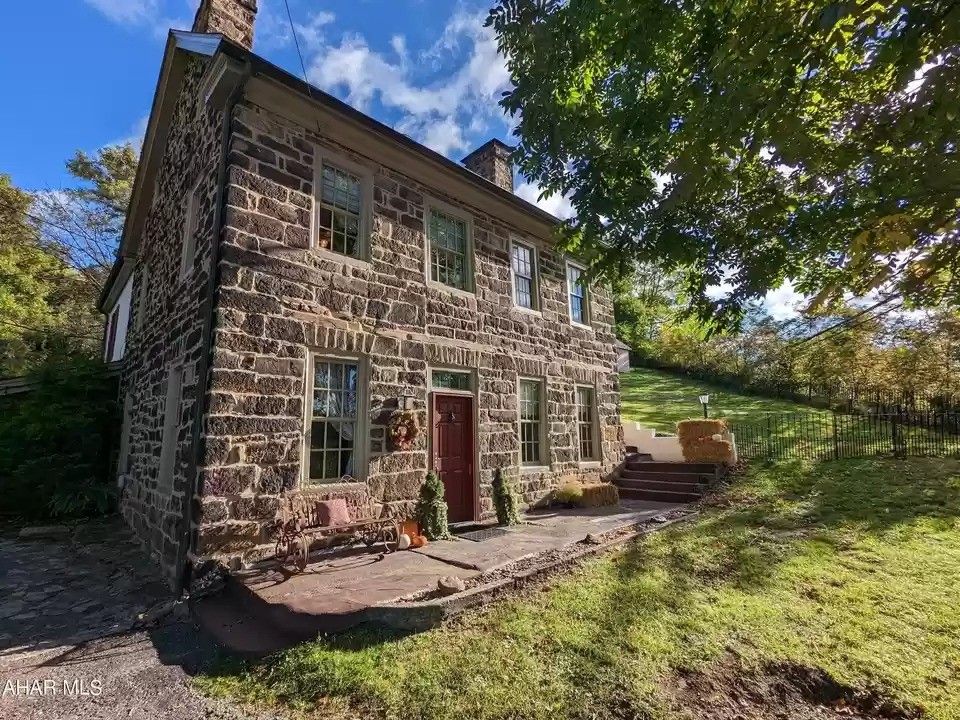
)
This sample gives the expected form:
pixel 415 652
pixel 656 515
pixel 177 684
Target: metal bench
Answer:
pixel 299 524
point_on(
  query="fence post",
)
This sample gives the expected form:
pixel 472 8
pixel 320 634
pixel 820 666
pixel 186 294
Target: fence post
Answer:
pixel 769 440
pixel 836 439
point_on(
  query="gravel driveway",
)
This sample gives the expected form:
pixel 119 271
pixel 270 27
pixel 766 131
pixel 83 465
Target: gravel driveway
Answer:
pixel 67 647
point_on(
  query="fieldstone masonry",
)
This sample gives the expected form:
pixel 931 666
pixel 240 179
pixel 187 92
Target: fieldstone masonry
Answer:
pixel 282 299
pixel 278 299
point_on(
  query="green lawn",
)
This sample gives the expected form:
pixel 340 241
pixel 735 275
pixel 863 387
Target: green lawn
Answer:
pixel 658 400
pixel 849 566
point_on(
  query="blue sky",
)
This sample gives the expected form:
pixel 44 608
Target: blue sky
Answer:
pixel 81 74
pixel 428 68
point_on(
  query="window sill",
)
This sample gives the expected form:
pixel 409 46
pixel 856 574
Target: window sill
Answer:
pixel 528 311
pixel 530 469
pixel 331 256
pixel 325 486
pixel 589 464
pixel 581 326
pixel 441 287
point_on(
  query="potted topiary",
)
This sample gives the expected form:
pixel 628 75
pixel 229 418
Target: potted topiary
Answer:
pixel 431 510
pixel 504 500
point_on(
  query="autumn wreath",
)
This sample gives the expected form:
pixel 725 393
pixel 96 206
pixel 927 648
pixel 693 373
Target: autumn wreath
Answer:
pixel 404 429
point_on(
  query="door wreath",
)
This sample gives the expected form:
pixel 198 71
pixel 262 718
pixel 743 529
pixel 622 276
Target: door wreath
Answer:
pixel 404 429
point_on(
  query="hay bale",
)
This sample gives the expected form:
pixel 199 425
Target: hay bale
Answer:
pixel 708 450
pixel 695 429
pixel 599 495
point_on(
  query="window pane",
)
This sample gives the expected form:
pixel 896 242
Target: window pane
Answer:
pixel 451 380
pixel 531 427
pixel 448 250
pixel 339 213
pixel 578 294
pixel 585 423
pixel 333 430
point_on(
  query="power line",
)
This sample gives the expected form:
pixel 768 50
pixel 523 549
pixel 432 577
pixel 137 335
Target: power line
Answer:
pixel 303 65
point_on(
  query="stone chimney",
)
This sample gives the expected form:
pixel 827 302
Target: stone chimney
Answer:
pixel 231 18
pixel 492 161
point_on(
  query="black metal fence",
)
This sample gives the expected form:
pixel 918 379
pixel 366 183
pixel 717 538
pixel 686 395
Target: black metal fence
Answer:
pixel 831 436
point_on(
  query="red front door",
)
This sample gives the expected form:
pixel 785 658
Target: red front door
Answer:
pixel 453 452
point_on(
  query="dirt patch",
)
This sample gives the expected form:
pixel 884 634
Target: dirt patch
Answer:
pixel 725 691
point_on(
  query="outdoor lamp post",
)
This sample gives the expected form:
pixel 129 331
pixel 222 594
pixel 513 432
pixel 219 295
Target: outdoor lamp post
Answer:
pixel 704 400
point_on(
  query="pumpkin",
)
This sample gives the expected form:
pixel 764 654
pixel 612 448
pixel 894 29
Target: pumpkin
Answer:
pixel 404 542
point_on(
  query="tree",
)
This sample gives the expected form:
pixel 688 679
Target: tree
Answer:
pixel 38 312
pixel 747 142
pixel 84 223
pixel 644 298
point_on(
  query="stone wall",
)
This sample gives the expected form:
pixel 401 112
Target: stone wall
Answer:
pixel 165 327
pixel 280 299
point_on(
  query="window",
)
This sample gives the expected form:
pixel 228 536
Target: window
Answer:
pixel 123 461
pixel 586 423
pixel 171 427
pixel 577 288
pixel 191 228
pixel 523 262
pixel 450 380
pixel 449 262
pixel 339 221
pixel 112 333
pixel 531 422
pixel 333 419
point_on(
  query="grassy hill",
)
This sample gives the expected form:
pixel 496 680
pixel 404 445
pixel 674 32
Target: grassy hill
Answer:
pixel 658 400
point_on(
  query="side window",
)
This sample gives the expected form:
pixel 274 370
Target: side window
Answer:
pixel 191 228
pixel 523 263
pixel 532 425
pixel 578 293
pixel 340 223
pixel 586 422
pixel 334 433
pixel 451 261
pixel 112 334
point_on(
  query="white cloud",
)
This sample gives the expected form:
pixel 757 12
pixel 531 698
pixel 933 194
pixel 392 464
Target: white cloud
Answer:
pixel 128 12
pixel 435 112
pixel 784 302
pixel 555 204
pixel 135 135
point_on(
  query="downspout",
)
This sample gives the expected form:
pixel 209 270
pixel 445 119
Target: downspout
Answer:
pixel 213 283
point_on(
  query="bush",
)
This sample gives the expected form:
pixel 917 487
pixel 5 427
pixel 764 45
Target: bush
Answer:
pixel 569 493
pixel 504 500
pixel 599 495
pixel 431 509
pixel 56 443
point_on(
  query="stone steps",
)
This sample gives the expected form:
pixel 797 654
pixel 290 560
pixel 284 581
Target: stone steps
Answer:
pixel 663 496
pixel 643 478
pixel 692 488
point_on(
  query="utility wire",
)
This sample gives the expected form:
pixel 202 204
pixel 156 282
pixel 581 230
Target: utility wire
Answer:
pixel 303 65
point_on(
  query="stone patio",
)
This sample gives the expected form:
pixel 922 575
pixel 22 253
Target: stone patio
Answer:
pixel 267 610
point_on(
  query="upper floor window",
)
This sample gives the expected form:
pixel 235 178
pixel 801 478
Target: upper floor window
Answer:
pixel 450 261
pixel 333 435
pixel 531 422
pixel 191 228
pixel 524 267
pixel 586 422
pixel 579 300
pixel 339 219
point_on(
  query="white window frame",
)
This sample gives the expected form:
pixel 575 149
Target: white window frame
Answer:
pixel 323 156
pixel 361 439
pixel 542 462
pixel 169 444
pixel 534 276
pixel 594 423
pixel 191 228
pixel 471 380
pixel 587 310
pixel 432 205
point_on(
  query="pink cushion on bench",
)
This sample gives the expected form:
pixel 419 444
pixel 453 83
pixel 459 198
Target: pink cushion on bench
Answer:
pixel 333 512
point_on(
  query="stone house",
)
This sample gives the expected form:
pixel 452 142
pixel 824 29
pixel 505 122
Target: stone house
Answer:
pixel 295 276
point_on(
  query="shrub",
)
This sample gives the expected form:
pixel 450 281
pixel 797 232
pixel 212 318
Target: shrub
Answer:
pixel 431 509
pixel 570 493
pixel 599 495
pixel 56 443
pixel 504 500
